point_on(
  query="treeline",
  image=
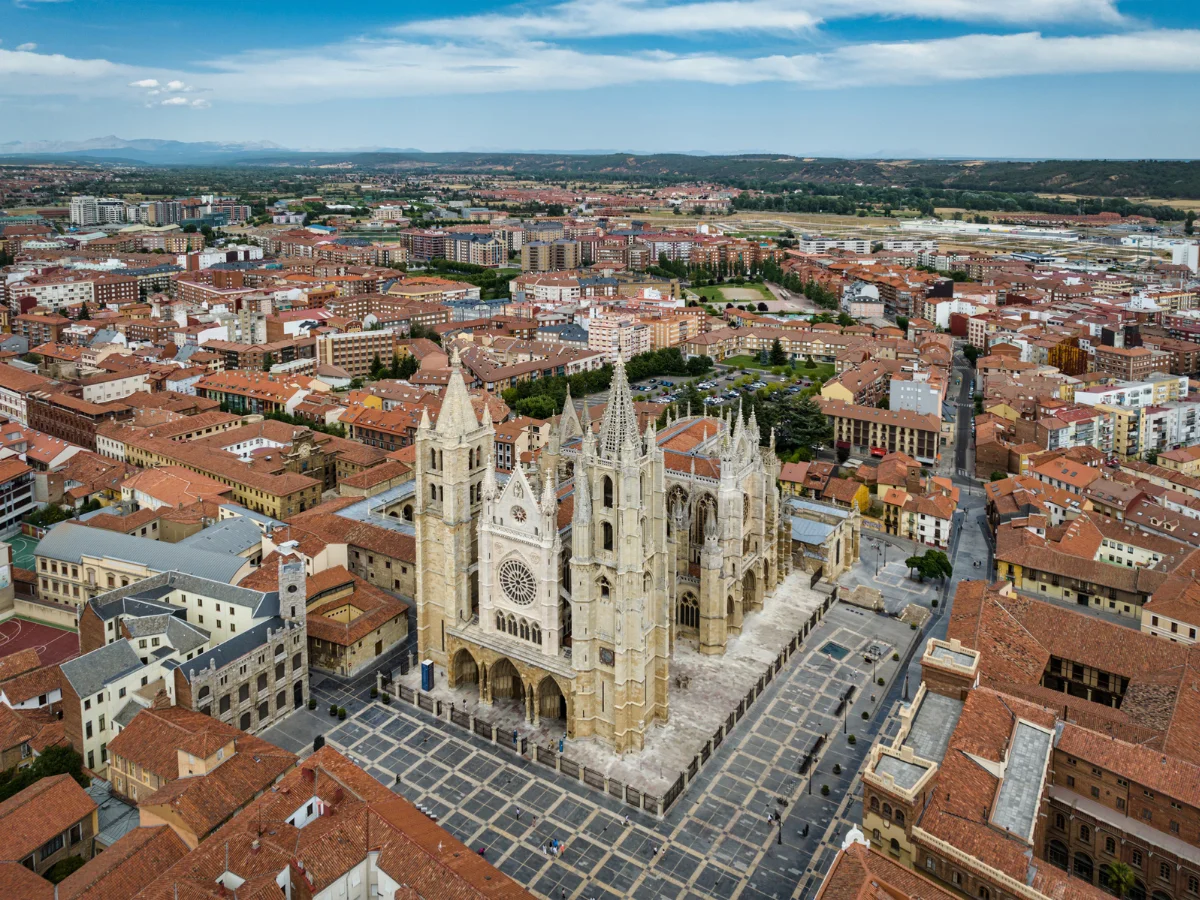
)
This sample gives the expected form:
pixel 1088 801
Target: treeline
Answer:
pixel 542 398
pixel 492 283
pixel 849 200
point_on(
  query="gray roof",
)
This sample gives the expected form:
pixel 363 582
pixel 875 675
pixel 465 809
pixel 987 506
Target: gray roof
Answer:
pixel 143 626
pixel 933 725
pixel 89 673
pixel 252 515
pixel 366 510
pixel 231 536
pixel 103 336
pixel 68 541
pixel 117 818
pixel 905 774
pixel 809 531
pixel 798 505
pixel 144 594
pixel 127 713
pixel 233 649
pixel 184 636
pixel 1019 794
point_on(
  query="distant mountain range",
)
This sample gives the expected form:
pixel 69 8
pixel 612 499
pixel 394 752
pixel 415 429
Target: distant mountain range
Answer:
pixel 146 150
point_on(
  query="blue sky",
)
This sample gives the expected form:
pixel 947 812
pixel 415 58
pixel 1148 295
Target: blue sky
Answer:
pixel 997 78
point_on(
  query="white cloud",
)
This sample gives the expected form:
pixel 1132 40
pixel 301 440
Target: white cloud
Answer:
pixel 174 86
pixel 27 48
pixel 404 68
pixel 608 18
pixel 145 83
pixel 175 101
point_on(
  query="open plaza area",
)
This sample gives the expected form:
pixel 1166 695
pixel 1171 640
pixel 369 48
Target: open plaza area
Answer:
pixel 715 841
pixel 704 691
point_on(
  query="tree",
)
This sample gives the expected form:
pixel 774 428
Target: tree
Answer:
pixel 1121 879
pixel 64 867
pixel 801 424
pixel 408 367
pixel 1152 457
pixel 377 367
pixel 778 356
pixel 885 403
pixel 843 454
pixel 971 353
pixel 84 314
pixel 268 361
pixel 998 476
pixel 845 319
pixel 1189 223
pixel 57 760
pixel 539 407
pixel 356 384
pixel 902 323
pixel 809 363
pixel 933 564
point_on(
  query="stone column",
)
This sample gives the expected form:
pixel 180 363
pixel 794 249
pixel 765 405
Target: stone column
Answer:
pixel 528 704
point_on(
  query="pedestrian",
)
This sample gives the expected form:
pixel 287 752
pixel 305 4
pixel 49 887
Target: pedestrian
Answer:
pixel 518 814
pixel 483 852
pixel 626 820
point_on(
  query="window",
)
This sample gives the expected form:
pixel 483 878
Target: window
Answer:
pixel 102 722
pixel 76 832
pixel 1070 781
pixel 1060 822
pixel 1193 885
pixel 929 863
pixel 1110 846
pixel 1164 871
pixel 243 692
pixel 984 893
pixel 224 704
pixel 1135 858
pixel 51 846
pixel 1095 791
pixel 957 878
pixel 1085 834
pixel 120 692
pixel 87 729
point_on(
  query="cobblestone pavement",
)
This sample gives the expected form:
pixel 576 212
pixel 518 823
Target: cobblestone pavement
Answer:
pixel 716 841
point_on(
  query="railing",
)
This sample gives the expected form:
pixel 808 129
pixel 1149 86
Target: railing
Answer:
pixel 567 767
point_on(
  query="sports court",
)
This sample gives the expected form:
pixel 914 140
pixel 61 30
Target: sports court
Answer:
pixel 22 551
pixel 52 644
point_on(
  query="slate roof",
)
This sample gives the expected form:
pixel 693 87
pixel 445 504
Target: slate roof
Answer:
pixel 89 673
pixel 69 542
pixel 233 536
pixel 232 649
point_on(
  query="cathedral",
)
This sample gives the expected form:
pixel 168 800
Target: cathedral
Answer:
pixel 564 587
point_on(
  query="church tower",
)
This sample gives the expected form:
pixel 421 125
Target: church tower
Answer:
pixel 293 585
pixel 621 626
pixel 451 459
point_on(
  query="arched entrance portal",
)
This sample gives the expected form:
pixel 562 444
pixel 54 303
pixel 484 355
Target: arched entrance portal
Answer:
pixel 506 683
pixel 750 591
pixel 551 703
pixel 466 671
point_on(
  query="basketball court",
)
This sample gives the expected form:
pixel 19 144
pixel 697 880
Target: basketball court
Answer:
pixel 54 645
pixel 22 551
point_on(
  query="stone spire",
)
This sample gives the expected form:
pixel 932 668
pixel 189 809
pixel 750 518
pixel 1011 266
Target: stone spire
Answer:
pixel 568 422
pixel 620 421
pixel 489 478
pixel 549 502
pixel 486 419
pixel 457 416
pixel 583 498
pixel 424 423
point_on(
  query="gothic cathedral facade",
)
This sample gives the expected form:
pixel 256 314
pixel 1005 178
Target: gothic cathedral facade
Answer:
pixel 565 588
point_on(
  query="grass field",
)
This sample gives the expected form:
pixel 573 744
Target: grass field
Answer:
pixel 733 293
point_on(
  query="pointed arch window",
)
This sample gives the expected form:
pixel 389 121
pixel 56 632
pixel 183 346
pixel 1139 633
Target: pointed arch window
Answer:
pixel 606 533
pixel 608 492
pixel 605 591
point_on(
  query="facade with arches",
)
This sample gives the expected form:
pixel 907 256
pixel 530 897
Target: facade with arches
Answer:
pixel 564 587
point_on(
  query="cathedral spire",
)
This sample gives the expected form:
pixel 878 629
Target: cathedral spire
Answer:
pixel 620 421
pixel 424 423
pixel 549 499
pixel 457 416
pixel 568 422
pixel 489 478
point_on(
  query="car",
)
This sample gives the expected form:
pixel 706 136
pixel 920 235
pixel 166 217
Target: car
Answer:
pixel 795 389
pixel 709 401
pixel 666 383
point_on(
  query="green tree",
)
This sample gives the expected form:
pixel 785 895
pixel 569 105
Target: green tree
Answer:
pixel 885 403
pixel 933 564
pixel 1121 879
pixel 356 384
pixel 1152 457
pixel 778 355
pixel 408 367
pixel 268 361
pixel 1189 223
pixel 801 423
pixel 902 323
pixel 57 760
pixel 84 313
pixel 971 353
pixel 64 867
pixel 809 363
pixel 845 319
pixel 540 407
pixel 377 367
pixel 998 476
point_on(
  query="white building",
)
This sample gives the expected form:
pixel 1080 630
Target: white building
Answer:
pixel 819 244
pixel 84 211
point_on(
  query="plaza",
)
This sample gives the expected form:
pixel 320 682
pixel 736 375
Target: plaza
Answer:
pixel 715 841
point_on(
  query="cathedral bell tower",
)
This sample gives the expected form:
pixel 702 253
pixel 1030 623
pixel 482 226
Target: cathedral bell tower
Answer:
pixel 451 462
pixel 621 625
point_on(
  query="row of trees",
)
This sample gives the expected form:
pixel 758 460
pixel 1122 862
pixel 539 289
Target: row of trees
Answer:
pixel 542 398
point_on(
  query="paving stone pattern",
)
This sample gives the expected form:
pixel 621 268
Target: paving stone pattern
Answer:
pixel 716 841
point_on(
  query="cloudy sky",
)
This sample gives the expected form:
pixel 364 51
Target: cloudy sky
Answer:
pixel 996 78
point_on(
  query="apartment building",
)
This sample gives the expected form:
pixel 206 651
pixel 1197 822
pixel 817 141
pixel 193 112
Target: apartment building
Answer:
pixel 615 335
pixel 877 432
pixel 1131 363
pixel 550 256
pixel 476 249
pixel 354 351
